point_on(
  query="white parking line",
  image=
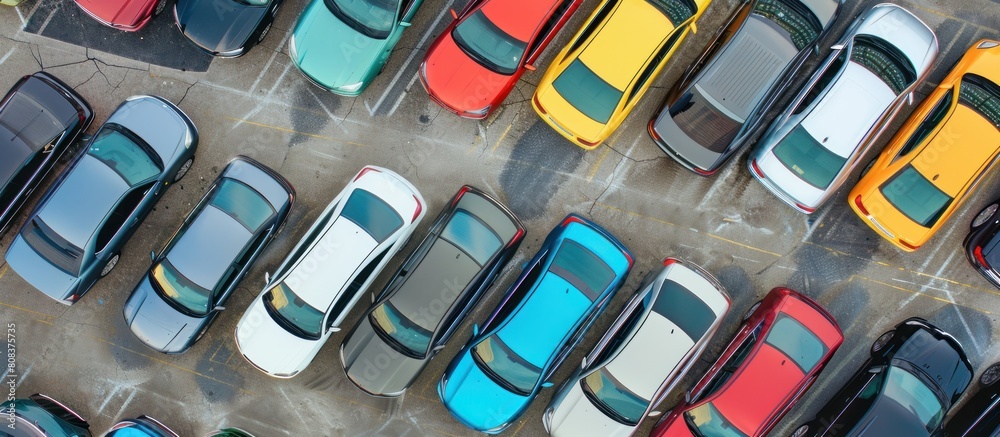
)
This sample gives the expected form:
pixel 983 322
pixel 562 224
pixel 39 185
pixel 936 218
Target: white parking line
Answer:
pixel 4 58
pixel 267 65
pixel 19 15
pixel 52 13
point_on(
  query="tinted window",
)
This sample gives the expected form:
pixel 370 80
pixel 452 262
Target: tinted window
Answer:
pixel 678 11
pixel 706 420
pixel 686 310
pixel 372 214
pixel 400 331
pixel 483 41
pixel 472 236
pixel 613 398
pixel 118 217
pixel 242 203
pixel 798 343
pixel 587 92
pixel 808 159
pixel 124 156
pixel 293 312
pixel 701 121
pixel 982 96
pixel 883 60
pixel 910 392
pixel 582 268
pixel 929 123
pixel 373 18
pixel 792 16
pixel 179 289
pixel 504 366
pixel 52 246
pixel 915 196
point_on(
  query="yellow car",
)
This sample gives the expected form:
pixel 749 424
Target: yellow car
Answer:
pixel 938 156
pixel 594 82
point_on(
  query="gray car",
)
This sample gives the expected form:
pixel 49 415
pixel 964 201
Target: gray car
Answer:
pixel 199 268
pixel 722 99
pixel 812 146
pixel 418 311
pixel 76 232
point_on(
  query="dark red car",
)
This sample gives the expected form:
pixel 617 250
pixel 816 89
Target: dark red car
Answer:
pixel 784 342
pixel 476 61
pixel 127 15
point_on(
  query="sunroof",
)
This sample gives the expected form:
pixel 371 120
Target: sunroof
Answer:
pixel 885 61
pixel 981 96
pixel 798 21
pixel 678 11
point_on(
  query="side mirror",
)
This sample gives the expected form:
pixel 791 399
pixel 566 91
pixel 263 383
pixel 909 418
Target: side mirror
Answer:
pixel 529 67
pixel 909 99
pixel 336 329
pixel 220 308
pixel 85 138
pixel 547 384
pixel 694 28
pixel 875 370
pixel 454 14
pixel 47 149
pixel 655 413
pixel 687 397
pixel 475 329
pixel 437 348
pixel 837 47
pixel 267 278
pixel 373 297
pixel 583 363
pixel 152 255
pixel 404 24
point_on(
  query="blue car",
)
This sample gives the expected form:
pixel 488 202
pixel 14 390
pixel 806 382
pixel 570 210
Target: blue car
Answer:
pixel 558 295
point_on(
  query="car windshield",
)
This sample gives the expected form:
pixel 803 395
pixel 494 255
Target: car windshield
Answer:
pixel 52 246
pixel 982 96
pixel 242 203
pixel 587 92
pixel 179 289
pixel 373 18
pixel 489 45
pixel 911 392
pixel 582 268
pixel 802 26
pixel 796 342
pixel 800 153
pixel 303 319
pixel 884 61
pixel 400 330
pixel 706 421
pixel 680 306
pixel 472 236
pixel 678 11
pixel 916 196
pixel 124 156
pixel 372 214
pixel 613 398
pixel 504 366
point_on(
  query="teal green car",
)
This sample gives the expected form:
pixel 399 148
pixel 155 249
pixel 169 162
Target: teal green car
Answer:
pixel 341 45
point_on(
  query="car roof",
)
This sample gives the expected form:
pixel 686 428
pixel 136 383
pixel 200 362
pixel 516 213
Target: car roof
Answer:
pixel 209 246
pixel 32 117
pixel 626 42
pixel 518 18
pixel 848 110
pixel 82 200
pixel 951 172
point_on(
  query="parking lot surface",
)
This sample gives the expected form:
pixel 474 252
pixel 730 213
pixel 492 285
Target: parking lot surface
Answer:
pixel 260 106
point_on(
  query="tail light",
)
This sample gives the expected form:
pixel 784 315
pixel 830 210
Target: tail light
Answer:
pixel 516 238
pixel 908 245
pixel 860 205
pixel 756 168
pixel 628 256
pixel 807 209
pixel 669 261
pixel 652 130
pixel 704 172
pixel 461 193
pixel 978 253
pixel 571 219
pixel 588 143
pixel 363 171
pixel 420 209
pixel 538 104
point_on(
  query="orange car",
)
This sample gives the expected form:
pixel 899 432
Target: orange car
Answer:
pixel 938 156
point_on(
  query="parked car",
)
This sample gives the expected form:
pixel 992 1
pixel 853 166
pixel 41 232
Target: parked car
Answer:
pixel 327 272
pixel 77 231
pixel 10 2
pixel 724 97
pixel 813 145
pixel 225 28
pixel 423 304
pixel 939 155
pixel 39 415
pixel 341 45
pixel 197 271
pixel 544 314
pixel 982 242
pixel 475 63
pixel 140 427
pixel 596 80
pixel 127 15
pixel 650 347
pixel 915 373
pixel 981 413
pixel 230 432
pixel 784 343
pixel 42 118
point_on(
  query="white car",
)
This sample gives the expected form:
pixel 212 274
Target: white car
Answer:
pixel 328 271
pixel 812 146
pixel 661 332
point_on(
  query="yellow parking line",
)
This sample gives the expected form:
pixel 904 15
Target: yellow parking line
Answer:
pixel 896 287
pixel 597 164
pixel 745 246
pixel 942 14
pixel 4 271
pixel 502 136
pixel 279 128
pixel 8 305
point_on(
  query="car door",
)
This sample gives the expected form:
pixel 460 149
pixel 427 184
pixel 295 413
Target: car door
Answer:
pixel 121 222
pixel 727 366
pixel 854 400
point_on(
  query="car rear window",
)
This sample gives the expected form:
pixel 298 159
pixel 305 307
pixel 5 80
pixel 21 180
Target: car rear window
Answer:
pixel 802 26
pixel 678 11
pixel 808 159
pixel 982 96
pixel 701 121
pixel 915 196
pixel 372 214
pixel 683 308
pixel 472 236
pixel 124 156
pixel 30 122
pixel 798 343
pixel 884 61
pixel 582 268
pixel 242 203
pixel 587 92
pixel 52 246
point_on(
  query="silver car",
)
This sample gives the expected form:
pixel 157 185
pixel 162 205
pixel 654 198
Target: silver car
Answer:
pixel 813 145
pixel 660 333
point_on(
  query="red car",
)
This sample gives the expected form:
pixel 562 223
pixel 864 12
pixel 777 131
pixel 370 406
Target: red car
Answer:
pixel 127 15
pixel 476 61
pixel 784 342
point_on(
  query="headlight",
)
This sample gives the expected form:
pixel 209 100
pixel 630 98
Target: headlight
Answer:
pixel 442 385
pixel 236 52
pixel 352 87
pixel 292 53
pixel 131 98
pixel 188 139
pixel 286 375
pixel 987 44
pixel 547 419
pixel 481 112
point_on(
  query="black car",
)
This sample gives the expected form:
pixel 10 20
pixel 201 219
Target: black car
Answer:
pixel 980 416
pixel 225 28
pixel 40 118
pixel 199 268
pixel 981 245
pixel 41 416
pixel 914 375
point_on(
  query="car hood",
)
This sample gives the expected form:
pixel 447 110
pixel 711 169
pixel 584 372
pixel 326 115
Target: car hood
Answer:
pixel 331 52
pixel 459 81
pixel 576 415
pixel 218 26
pixel 475 399
pixel 125 12
pixel 937 358
pixel 269 346
pixel 156 323
pixel 38 272
pixel 374 366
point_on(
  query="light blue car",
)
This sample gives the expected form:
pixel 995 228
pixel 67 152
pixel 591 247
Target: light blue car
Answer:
pixel 547 311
